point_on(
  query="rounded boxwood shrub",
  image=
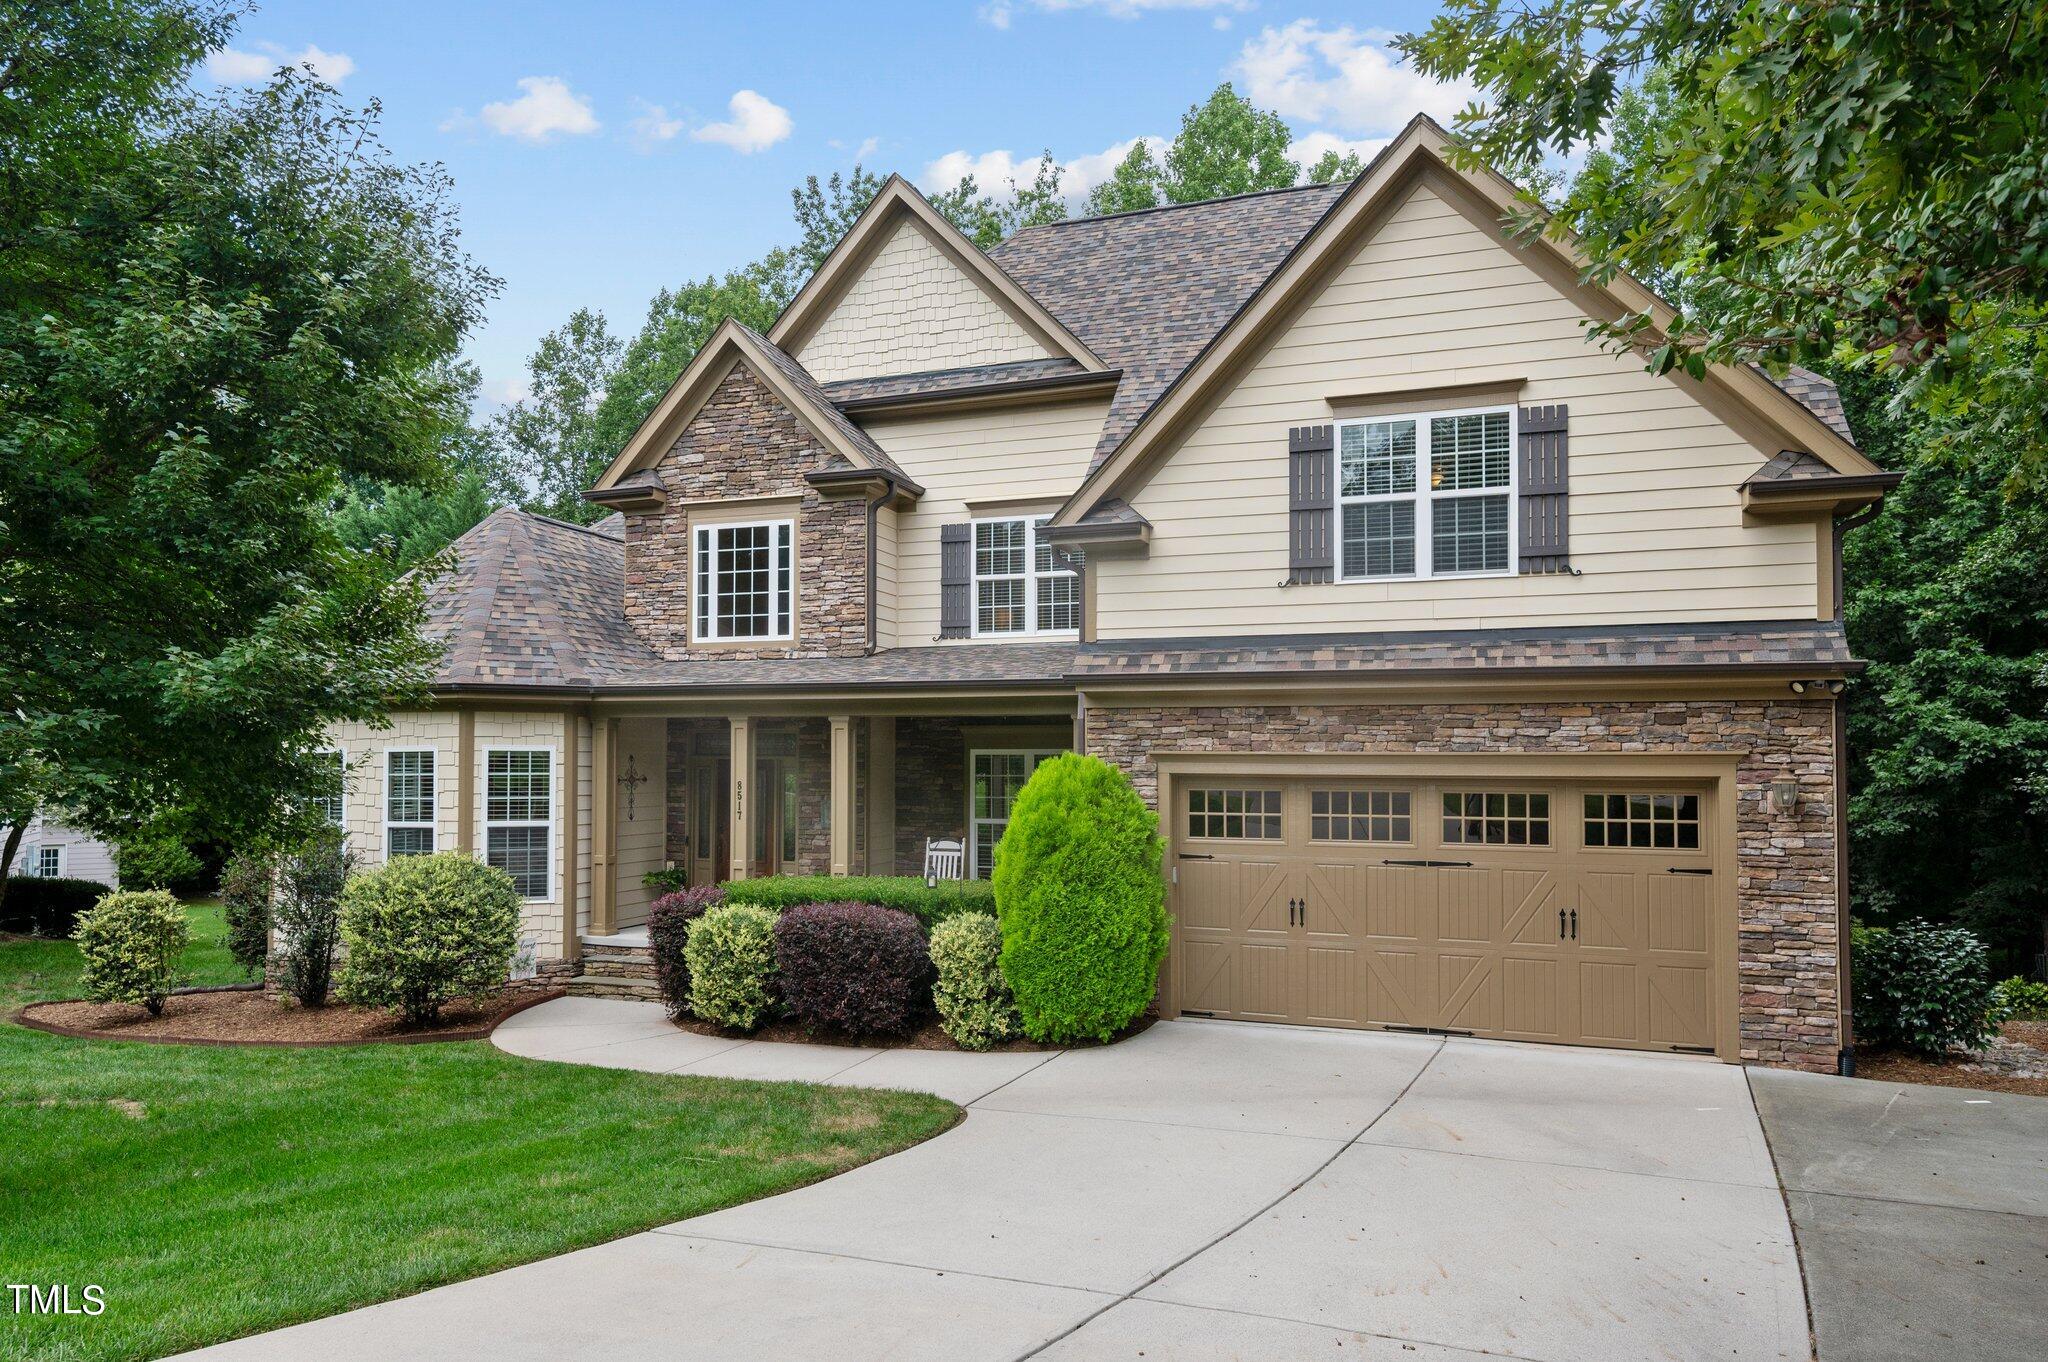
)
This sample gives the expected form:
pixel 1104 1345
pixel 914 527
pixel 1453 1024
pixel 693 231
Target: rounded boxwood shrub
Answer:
pixel 1922 988
pixel 853 967
pixel 1081 901
pixel 131 943
pixel 420 931
pixel 40 906
pixel 668 936
pixel 976 1007
pixel 731 958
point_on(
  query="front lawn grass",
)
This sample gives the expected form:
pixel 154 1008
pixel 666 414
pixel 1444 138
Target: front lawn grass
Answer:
pixel 216 1192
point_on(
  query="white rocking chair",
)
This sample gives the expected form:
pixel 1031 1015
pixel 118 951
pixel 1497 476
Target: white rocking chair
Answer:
pixel 944 861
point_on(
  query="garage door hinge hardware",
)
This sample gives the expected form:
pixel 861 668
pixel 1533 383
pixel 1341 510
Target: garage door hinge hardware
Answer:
pixel 1196 856
pixel 1694 1049
pixel 1434 863
pixel 1424 1030
pixel 1191 1012
pixel 1688 870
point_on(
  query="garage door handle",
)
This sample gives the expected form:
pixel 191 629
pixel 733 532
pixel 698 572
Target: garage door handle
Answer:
pixel 1560 924
pixel 1575 924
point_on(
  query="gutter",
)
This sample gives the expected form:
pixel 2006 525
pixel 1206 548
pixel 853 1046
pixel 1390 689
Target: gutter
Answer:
pixel 1106 378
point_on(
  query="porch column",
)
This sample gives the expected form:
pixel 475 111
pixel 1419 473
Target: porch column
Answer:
pixel 604 737
pixel 571 805
pixel 842 794
pixel 882 796
pixel 742 764
pixel 465 782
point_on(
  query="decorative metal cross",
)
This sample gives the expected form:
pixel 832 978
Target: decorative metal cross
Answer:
pixel 632 780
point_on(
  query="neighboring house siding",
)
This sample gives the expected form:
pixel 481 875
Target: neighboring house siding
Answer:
pixel 745 445
pixel 83 857
pixel 910 310
pixel 968 463
pixel 1432 300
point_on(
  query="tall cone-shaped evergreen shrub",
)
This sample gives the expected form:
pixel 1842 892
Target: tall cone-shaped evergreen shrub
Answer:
pixel 1080 900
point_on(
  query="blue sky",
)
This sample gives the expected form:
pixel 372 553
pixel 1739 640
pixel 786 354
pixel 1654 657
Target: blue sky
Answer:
pixel 604 149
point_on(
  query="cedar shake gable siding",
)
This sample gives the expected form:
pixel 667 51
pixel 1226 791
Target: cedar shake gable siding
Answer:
pixel 744 444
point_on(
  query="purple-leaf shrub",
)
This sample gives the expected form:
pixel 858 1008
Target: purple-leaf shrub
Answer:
pixel 853 967
pixel 668 932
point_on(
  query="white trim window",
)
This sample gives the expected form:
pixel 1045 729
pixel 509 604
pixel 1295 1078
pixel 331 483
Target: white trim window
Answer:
pixel 994 776
pixel 519 816
pixel 1018 587
pixel 1427 495
pixel 49 863
pixel 745 582
pixel 330 796
pixel 408 801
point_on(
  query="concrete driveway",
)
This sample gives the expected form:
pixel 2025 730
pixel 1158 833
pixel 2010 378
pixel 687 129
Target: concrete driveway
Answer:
pixel 1922 1215
pixel 1205 1190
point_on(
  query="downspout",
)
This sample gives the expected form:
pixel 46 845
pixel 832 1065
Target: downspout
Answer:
pixel 1845 1062
pixel 874 509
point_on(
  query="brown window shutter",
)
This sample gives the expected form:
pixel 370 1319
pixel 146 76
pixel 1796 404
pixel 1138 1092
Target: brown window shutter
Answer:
pixel 1311 505
pixel 1545 489
pixel 956 581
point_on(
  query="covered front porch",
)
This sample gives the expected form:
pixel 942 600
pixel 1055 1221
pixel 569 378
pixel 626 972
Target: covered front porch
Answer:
pixel 727 790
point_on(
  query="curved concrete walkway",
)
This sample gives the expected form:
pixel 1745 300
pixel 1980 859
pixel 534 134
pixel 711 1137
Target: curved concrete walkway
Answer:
pixel 1205 1190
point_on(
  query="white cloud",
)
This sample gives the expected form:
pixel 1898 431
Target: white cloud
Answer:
pixel 996 14
pixel 654 125
pixel 229 66
pixel 503 392
pixel 1306 151
pixel 1343 77
pixel 547 107
pixel 757 123
pixel 1221 23
pixel 993 171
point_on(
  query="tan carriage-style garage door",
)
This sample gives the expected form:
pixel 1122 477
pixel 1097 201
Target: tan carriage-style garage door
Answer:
pixel 1571 912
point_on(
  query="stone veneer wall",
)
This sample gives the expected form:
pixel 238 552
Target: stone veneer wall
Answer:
pixel 745 443
pixel 931 787
pixel 1785 885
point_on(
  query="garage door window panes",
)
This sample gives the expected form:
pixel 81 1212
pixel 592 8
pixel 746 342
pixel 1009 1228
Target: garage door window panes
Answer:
pixel 1496 818
pixel 1668 821
pixel 1234 813
pixel 1360 816
pixel 997 777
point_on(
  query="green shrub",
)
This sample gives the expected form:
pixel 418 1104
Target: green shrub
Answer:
pixel 668 937
pixel 856 968
pixel 1922 988
pixel 157 855
pixel 247 884
pixel 2025 999
pixel 131 943
pixel 906 893
pixel 1081 901
pixel 422 930
pixel 976 1007
pixel 731 954
pixel 307 913
pixel 36 905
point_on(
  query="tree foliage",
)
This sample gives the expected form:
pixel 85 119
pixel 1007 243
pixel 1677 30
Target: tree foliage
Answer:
pixel 1827 177
pixel 550 437
pixel 212 311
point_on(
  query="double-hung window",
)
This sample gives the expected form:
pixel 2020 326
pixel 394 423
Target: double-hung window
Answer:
pixel 519 816
pixel 995 778
pixel 409 801
pixel 1426 495
pixel 328 793
pixel 1018 587
pixel 49 862
pixel 745 582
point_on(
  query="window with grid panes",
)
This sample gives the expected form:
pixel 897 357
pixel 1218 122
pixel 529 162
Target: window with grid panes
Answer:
pixel 1396 521
pixel 994 778
pixel 519 816
pixel 746 582
pixel 1496 818
pixel 409 802
pixel 1019 586
pixel 1360 816
pixel 1669 821
pixel 1234 813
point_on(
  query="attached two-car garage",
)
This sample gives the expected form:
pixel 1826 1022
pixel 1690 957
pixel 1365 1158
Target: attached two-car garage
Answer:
pixel 1593 910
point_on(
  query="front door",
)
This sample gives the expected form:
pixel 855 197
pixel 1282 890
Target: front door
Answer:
pixel 710 820
pixel 772 818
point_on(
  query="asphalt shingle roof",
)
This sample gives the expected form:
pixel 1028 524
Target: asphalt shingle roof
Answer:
pixel 800 379
pixel 961 380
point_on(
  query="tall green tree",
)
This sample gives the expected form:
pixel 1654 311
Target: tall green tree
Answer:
pixel 549 437
pixel 1829 176
pixel 1333 166
pixel 824 212
pixel 1227 145
pixel 212 311
pixel 1134 184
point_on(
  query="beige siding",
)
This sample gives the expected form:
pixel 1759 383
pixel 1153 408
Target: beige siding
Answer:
pixel 886 616
pixel 970 459
pixel 910 310
pixel 1433 300
pixel 643 837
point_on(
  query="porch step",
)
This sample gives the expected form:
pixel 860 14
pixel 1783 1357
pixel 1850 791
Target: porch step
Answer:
pixel 620 962
pixel 614 986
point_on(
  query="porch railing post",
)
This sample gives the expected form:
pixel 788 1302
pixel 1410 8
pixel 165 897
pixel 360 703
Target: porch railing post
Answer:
pixel 842 794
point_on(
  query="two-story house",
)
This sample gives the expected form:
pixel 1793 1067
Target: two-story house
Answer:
pixel 1482 681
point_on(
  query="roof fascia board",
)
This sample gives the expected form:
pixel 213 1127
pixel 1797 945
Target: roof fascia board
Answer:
pixel 1023 392
pixel 898 200
pixel 1420 146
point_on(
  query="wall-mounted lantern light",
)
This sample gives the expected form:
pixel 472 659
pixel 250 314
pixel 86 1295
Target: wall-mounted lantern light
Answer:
pixel 1784 796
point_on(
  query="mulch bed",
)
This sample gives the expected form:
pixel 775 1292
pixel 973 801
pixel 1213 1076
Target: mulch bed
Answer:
pixel 926 1037
pixel 241 1017
pixel 2022 1045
